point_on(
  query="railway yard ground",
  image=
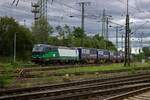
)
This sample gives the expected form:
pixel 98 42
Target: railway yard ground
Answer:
pixel 28 76
pixel 94 79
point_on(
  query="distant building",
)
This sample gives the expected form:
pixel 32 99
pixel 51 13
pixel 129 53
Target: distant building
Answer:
pixel 135 50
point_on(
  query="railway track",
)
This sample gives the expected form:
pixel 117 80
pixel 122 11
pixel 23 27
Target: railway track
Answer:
pixel 140 94
pixel 99 94
pixel 80 89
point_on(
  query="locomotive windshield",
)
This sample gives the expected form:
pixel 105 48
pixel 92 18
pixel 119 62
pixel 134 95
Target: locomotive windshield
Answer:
pixel 39 48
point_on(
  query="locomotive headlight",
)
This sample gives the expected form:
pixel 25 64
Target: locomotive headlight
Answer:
pixel 54 55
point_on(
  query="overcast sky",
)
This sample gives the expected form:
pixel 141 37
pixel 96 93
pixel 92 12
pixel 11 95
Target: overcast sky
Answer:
pixel 60 10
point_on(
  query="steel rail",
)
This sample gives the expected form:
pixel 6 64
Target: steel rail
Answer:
pixel 91 94
pixel 128 94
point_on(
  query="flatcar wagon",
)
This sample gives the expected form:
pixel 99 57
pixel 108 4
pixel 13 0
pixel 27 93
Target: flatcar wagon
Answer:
pixel 103 56
pixel 87 55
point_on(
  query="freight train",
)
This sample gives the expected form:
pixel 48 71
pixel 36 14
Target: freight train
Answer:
pixel 48 54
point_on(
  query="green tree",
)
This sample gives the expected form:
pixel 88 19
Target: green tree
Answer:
pixel 79 34
pixel 88 42
pixel 9 27
pixel 99 41
pixel 110 46
pixel 52 40
pixel 60 31
pixel 74 39
pixel 67 30
pixel 146 51
pixel 41 31
pixel 64 35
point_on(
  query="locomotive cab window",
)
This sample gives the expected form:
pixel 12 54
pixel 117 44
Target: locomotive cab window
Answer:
pixel 38 48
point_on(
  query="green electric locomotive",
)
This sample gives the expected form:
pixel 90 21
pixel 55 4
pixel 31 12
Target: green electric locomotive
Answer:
pixel 45 54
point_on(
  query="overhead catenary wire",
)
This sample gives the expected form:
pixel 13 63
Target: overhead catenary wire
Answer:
pixel 68 6
pixel 61 3
pixel 135 8
pixel 93 17
pixel 121 1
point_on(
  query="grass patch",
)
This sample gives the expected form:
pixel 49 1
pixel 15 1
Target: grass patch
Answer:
pixel 71 74
pixel 5 77
pixel 91 70
pixel 107 68
pixel 17 65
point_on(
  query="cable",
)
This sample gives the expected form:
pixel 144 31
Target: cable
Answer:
pixel 129 6
pixel 137 9
pixel 60 3
pixel 68 6
pixel 116 23
pixel 92 17
pixel 16 2
pixel 13 2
